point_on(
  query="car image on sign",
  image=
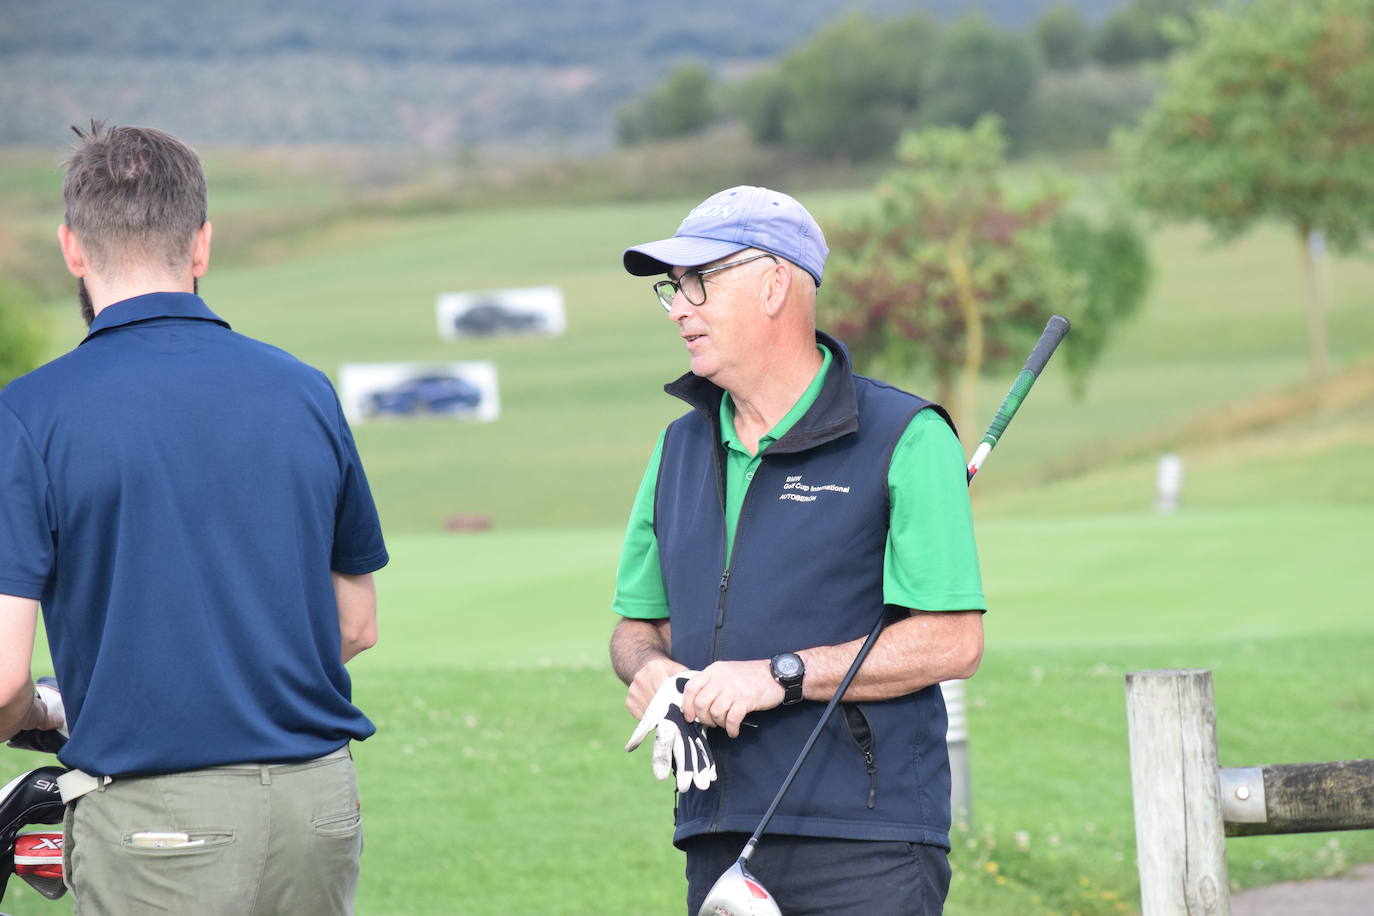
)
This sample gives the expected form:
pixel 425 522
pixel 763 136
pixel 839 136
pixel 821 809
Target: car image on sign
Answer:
pixel 432 394
pixel 487 318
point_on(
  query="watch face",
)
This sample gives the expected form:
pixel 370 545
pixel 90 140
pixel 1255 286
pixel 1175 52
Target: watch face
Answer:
pixel 787 665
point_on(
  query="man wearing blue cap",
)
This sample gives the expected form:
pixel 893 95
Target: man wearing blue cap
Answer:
pixel 778 518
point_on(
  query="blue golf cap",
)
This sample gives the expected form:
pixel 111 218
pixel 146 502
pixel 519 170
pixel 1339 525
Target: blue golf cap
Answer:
pixel 731 221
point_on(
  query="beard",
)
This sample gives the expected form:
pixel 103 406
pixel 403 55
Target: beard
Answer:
pixel 88 308
pixel 84 298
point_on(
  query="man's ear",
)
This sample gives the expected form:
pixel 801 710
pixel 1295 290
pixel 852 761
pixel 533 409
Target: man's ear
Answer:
pixel 200 250
pixel 72 252
pixel 776 286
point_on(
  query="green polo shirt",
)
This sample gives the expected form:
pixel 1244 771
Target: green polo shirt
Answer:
pixel 931 561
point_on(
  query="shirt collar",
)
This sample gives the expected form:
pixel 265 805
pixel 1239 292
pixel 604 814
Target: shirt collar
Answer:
pixel 149 306
pixel 835 412
pixel 727 410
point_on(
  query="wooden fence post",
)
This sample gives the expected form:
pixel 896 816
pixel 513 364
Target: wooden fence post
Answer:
pixel 1180 835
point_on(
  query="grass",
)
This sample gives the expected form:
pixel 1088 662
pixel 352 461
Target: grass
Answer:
pixel 496 780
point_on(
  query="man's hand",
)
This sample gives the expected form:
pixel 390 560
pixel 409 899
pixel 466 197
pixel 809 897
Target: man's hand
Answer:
pixel 725 692
pixel 678 743
pixel 44 727
pixel 47 713
pixel 647 683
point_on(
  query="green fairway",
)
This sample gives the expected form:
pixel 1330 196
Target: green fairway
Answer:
pixel 499 691
pixel 496 781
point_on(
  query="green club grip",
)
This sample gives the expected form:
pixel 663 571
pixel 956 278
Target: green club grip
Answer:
pixel 1010 404
pixel 1054 332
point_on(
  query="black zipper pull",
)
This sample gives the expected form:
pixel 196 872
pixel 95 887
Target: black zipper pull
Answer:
pixel 720 605
pixel 872 779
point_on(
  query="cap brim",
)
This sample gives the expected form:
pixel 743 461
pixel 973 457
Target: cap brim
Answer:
pixel 680 251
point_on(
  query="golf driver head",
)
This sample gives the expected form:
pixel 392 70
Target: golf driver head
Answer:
pixel 738 893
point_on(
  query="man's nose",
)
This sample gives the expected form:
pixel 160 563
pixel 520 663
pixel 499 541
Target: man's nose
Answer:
pixel 680 308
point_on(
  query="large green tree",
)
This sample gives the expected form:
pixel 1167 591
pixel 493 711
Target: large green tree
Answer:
pixel 1063 37
pixel 848 91
pixel 1270 116
pixel 981 69
pixel 955 272
pixel 683 103
pixel 1143 30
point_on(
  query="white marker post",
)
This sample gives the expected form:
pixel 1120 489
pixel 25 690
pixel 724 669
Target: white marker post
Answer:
pixel 956 736
pixel 1168 484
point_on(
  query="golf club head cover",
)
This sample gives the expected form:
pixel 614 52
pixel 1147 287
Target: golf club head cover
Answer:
pixel 679 745
pixel 45 740
pixel 31 798
pixel 38 860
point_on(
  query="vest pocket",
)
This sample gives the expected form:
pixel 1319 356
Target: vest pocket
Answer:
pixel 862 735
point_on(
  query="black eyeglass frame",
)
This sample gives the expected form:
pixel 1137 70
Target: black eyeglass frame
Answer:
pixel 667 290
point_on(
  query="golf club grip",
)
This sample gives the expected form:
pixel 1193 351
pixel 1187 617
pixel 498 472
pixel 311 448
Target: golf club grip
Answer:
pixel 815 733
pixel 1054 332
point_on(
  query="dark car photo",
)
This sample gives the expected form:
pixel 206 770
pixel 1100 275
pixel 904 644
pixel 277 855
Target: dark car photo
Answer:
pixel 487 318
pixel 425 394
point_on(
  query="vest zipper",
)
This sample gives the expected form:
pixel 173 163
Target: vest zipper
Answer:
pixel 720 606
pixel 722 785
pixel 725 535
pixel 730 565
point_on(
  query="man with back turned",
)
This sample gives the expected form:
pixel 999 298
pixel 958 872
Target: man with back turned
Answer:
pixel 188 508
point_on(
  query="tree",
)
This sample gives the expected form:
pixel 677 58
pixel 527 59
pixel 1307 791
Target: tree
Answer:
pixel 954 273
pixel 847 92
pixel 1063 37
pixel 21 337
pixel 1129 36
pixel 1270 117
pixel 980 69
pixel 683 104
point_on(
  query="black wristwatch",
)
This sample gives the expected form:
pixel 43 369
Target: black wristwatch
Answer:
pixel 788 669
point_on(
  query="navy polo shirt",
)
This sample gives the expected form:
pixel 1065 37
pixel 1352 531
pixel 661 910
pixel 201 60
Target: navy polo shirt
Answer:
pixel 176 495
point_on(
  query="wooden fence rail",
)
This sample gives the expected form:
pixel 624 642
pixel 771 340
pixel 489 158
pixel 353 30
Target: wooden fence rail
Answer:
pixel 1186 805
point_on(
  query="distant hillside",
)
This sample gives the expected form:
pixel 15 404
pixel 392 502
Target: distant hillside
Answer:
pixel 436 73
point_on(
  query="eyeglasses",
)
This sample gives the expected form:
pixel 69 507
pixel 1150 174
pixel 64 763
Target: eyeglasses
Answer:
pixel 690 283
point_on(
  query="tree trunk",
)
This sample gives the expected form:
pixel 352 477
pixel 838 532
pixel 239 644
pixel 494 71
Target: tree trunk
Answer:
pixel 1316 309
pixel 969 308
pixel 944 389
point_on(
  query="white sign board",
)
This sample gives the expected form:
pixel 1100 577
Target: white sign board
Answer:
pixel 491 313
pixel 401 391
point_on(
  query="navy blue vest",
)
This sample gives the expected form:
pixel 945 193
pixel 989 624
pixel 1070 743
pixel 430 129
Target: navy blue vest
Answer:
pixel 806 570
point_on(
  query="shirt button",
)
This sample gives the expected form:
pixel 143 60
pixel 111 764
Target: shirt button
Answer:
pixel 749 476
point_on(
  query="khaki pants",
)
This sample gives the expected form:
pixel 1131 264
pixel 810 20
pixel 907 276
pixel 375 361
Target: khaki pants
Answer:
pixel 263 840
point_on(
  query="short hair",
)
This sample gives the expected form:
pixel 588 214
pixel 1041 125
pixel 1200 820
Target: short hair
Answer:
pixel 133 193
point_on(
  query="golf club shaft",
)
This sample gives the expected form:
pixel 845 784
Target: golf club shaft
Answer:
pixel 1054 332
pixel 815 733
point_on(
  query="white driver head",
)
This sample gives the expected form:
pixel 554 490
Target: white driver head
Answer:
pixel 738 893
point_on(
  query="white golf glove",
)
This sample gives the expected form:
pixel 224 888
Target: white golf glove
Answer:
pixel 678 744
pixel 44 727
pixel 46 713
pixel 54 714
